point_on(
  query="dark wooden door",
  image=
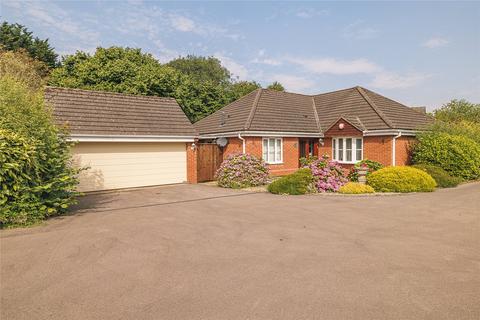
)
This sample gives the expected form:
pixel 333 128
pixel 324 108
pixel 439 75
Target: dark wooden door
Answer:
pixel 208 161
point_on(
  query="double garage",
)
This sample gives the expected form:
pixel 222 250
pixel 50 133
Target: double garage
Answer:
pixel 114 165
pixel 123 141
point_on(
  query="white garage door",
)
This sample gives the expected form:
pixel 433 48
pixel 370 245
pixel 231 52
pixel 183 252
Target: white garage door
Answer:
pixel 126 165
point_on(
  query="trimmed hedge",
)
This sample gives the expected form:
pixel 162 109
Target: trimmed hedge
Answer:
pixel 459 156
pixel 242 171
pixel 355 188
pixel 401 179
pixel 296 183
pixel 441 177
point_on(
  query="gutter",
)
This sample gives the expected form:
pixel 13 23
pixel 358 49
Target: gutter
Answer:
pixel 243 142
pixel 394 147
pixel 260 134
pixel 128 138
pixel 389 132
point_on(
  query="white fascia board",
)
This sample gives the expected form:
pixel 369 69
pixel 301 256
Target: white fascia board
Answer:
pixel 128 138
pixel 389 132
pixel 260 134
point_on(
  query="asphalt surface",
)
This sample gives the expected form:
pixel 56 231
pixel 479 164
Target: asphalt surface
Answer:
pixel 200 252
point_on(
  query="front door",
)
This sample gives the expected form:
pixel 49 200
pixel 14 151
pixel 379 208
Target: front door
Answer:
pixel 308 148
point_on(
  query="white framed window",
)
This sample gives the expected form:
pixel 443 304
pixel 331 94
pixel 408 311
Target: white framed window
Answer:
pixel 347 150
pixel 272 150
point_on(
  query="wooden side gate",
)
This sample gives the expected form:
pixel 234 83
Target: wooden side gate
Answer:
pixel 209 158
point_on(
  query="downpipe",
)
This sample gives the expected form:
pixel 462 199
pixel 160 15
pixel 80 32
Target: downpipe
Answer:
pixel 243 142
pixel 394 147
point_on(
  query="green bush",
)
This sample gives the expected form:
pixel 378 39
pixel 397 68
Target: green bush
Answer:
pixel 371 165
pixel 355 188
pixel 296 183
pixel 306 161
pixel 40 182
pixel 458 155
pixel 401 179
pixel 441 177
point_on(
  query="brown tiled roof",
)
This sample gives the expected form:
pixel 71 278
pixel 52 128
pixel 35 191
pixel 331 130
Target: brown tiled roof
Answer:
pixel 107 113
pixel 269 110
pixel 263 110
pixel 401 116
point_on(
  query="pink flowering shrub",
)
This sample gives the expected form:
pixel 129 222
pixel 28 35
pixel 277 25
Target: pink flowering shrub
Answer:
pixel 328 175
pixel 242 171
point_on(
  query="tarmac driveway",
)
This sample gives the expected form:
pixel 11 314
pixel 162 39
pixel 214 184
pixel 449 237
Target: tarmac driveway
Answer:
pixel 199 252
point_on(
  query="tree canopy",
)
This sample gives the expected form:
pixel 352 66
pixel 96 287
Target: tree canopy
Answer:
pixel 277 86
pixel 16 36
pixel 458 110
pixel 201 69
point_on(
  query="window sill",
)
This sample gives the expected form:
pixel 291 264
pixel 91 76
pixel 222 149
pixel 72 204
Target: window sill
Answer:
pixel 273 163
pixel 347 162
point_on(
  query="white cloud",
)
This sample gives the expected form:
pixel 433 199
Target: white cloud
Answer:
pixel 310 13
pixel 359 31
pixel 183 24
pixel 52 16
pixel 293 83
pixel 435 43
pixel 267 61
pixel 234 67
pixel 336 66
pixel 389 80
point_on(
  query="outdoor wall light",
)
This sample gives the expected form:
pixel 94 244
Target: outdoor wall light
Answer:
pixel 341 126
pixel 321 142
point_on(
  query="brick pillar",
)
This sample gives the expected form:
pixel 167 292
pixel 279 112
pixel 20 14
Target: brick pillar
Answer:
pixel 192 159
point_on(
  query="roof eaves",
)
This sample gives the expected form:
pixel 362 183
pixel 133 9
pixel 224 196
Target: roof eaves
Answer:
pixel 253 109
pixel 375 108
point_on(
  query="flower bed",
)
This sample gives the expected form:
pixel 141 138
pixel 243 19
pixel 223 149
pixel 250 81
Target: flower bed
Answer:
pixel 242 171
pixel 328 175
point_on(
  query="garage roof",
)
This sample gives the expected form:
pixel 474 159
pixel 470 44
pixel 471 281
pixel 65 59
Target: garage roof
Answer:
pixel 87 112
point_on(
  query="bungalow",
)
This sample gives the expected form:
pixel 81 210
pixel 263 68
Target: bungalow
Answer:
pixel 134 141
pixel 347 125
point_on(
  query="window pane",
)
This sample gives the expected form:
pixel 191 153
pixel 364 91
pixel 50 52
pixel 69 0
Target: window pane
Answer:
pixel 278 151
pixel 334 149
pixel 340 149
pixel 271 150
pixel 349 148
pixel 264 150
pixel 359 149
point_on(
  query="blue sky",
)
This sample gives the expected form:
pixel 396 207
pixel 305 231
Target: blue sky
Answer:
pixel 419 53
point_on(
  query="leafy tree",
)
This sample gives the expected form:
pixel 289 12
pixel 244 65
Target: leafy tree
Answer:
pixel 202 69
pixel 277 86
pixel 242 88
pixel 15 36
pixel 21 67
pixel 458 110
pixel 117 69
pixel 199 99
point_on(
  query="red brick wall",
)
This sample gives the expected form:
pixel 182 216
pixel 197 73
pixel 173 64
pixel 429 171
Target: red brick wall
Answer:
pixel 378 148
pixel 191 163
pixel 253 146
pixel 402 150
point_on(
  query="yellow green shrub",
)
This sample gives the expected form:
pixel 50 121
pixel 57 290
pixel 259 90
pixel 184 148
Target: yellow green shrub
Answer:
pixel 401 179
pixel 355 188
